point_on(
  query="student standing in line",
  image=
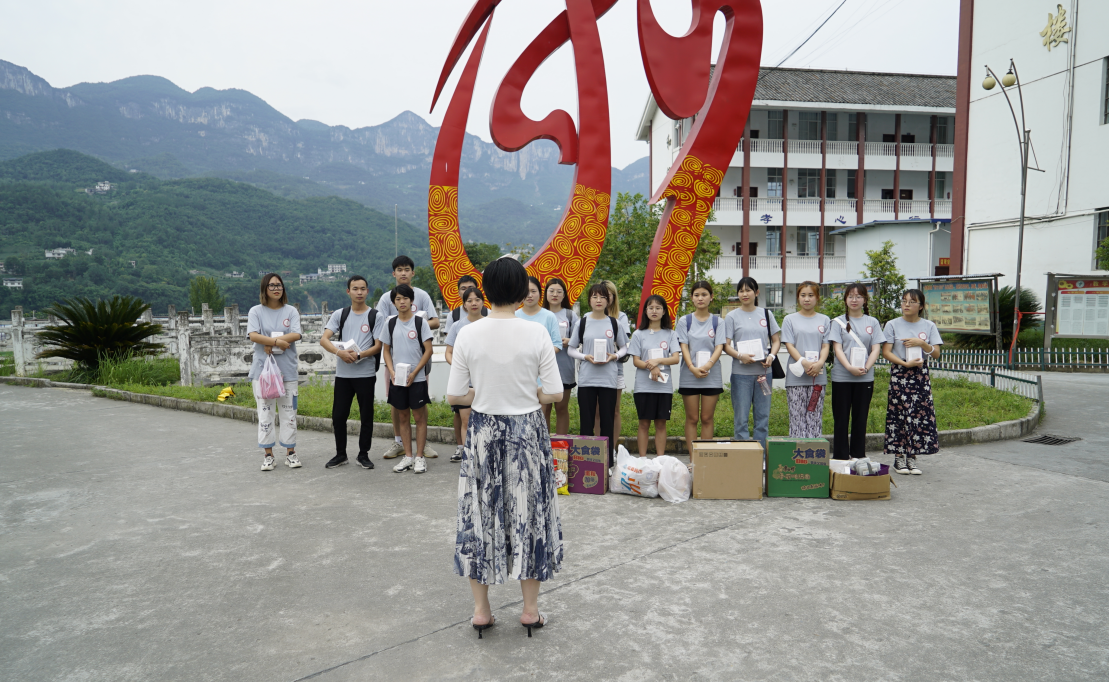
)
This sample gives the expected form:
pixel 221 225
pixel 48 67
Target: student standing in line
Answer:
pixel 464 282
pixel 654 350
pixel 856 340
pixel 408 340
pixel 554 299
pixel 701 339
pixel 274 327
pixel 749 375
pixel 533 312
pixel 805 334
pixel 355 369
pixel 404 268
pixel 597 375
pixel 613 310
pixel 910 413
pixel 473 303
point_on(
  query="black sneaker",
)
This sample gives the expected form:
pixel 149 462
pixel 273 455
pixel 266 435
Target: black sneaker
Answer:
pixel 364 460
pixel 336 461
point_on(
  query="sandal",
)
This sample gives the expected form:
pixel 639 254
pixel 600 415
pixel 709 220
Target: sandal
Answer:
pixel 536 625
pixel 481 628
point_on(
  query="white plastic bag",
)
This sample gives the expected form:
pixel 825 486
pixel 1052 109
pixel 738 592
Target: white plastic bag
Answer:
pixel 636 476
pixel 674 480
pixel 270 382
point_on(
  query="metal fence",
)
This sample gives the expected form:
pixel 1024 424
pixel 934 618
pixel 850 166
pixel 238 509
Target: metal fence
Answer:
pixel 1043 359
pixel 1001 378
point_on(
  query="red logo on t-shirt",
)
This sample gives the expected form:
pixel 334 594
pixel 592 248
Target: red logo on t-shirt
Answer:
pixel 922 336
pixel 820 329
pixel 608 333
pixel 712 334
pixel 412 334
pixel 869 329
pixel 762 322
pixel 285 322
pixel 664 345
pixel 365 328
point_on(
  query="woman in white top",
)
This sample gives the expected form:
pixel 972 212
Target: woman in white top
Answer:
pixel 473 305
pixel 805 334
pixel 274 327
pixel 910 413
pixel 555 300
pixel 508 520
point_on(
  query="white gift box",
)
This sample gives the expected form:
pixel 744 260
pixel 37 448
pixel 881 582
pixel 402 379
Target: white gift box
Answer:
pixel 858 357
pixel 752 347
pixel 655 354
pixel 600 350
pixel 703 358
pixel 914 353
pixel 277 335
pixel 350 345
pixel 401 376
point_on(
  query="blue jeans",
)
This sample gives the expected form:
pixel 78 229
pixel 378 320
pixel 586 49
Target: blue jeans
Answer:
pixel 745 395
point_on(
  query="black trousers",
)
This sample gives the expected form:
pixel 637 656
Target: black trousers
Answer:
pixel 589 397
pixel 345 391
pixel 850 401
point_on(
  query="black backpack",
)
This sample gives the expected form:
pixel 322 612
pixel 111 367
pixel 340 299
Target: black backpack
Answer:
pixel 615 333
pixel 419 340
pixel 371 321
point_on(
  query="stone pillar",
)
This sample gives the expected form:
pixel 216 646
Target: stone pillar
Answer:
pixel 172 314
pixel 51 320
pixel 231 320
pixel 184 351
pixel 209 322
pixel 147 316
pixel 17 342
pixel 237 326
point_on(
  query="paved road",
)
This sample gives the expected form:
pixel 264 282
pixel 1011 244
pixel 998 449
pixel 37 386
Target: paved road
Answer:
pixel 138 544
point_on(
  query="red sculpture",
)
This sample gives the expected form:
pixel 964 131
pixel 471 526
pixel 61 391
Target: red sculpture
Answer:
pixel 678 71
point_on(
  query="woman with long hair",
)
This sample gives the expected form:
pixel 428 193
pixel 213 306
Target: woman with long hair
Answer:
pixel 555 300
pixel 805 334
pixel 753 339
pixel 856 340
pixel 274 327
pixel 654 350
pixel 701 384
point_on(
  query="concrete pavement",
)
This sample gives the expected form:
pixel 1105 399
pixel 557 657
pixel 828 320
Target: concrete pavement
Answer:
pixel 138 543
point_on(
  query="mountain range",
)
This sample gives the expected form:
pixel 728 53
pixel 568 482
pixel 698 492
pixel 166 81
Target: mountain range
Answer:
pixel 150 125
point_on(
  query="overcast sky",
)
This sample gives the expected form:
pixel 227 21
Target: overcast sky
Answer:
pixel 361 62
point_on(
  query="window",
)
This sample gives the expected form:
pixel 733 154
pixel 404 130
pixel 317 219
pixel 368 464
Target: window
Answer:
pixel 808 241
pixel 774 125
pixel 754 192
pixel 808 183
pixel 773 293
pixel 1105 92
pixel 941 130
pixel 941 185
pixel 773 182
pixel 851 184
pixel 833 127
pixel 773 241
pixel 887 194
pixel 1102 227
pixel 853 127
pixel 829 242
pixel 809 125
pixel 830 185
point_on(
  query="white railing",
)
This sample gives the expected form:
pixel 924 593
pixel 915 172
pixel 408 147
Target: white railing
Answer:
pixel 804 147
pixel 878 206
pixel 943 208
pixel 727 204
pixel 806 205
pixel 766 146
pixel 946 150
pixel 916 149
pixel 881 149
pixel 835 263
pixel 766 204
pixel 839 206
pixel 917 208
pixel 831 263
pixel 843 148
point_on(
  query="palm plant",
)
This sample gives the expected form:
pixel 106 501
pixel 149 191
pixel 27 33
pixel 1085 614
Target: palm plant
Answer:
pixel 95 331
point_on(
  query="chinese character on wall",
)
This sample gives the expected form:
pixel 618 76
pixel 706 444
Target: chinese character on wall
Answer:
pixel 1056 30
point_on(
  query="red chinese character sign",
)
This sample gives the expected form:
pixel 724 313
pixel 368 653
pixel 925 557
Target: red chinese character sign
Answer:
pixel 679 75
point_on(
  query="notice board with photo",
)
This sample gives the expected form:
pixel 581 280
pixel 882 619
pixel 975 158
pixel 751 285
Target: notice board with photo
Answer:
pixel 1081 307
pixel 962 306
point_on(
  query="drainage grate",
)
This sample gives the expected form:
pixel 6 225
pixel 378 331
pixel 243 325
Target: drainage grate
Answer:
pixel 1048 439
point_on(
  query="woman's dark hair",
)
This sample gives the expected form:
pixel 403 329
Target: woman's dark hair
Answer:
pixel 506 282
pixel 918 296
pixel 748 283
pixel 472 291
pixel 701 284
pixel 538 286
pixel 402 290
pixel 645 323
pixel 861 288
pixel 402 261
pixel 565 293
pixel 266 282
pixel 355 278
pixel 599 289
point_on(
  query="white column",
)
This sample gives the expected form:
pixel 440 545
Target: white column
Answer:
pixel 184 351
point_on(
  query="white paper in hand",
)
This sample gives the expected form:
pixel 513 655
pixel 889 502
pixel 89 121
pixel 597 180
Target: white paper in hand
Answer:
pixel 752 347
pixel 914 353
pixel 600 350
pixel 655 354
pixel 858 357
pixel 277 335
pixel 703 358
pixel 813 356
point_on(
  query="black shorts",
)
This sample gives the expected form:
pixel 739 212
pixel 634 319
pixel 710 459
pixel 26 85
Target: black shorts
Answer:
pixel 457 409
pixel 409 397
pixel 653 406
pixel 700 391
pixel 568 387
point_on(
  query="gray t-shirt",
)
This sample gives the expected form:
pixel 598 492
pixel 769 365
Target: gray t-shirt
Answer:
pixel 643 341
pixel 357 329
pixel 566 319
pixel 807 334
pixel 700 337
pixel 601 376
pixel 270 322
pixel 743 326
pixel 422 304
pixel 869 331
pixel 452 335
pixel 899 329
pixel 405 345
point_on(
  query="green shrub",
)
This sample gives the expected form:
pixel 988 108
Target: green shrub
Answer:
pixel 141 370
pixel 97 331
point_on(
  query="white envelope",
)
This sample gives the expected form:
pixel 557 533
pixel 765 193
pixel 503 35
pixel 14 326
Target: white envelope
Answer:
pixel 752 347
pixel 600 350
pixel 858 357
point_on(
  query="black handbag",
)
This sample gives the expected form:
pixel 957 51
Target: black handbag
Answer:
pixel 776 367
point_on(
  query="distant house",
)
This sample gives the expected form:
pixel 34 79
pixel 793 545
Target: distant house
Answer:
pixel 194 272
pixel 13 282
pixel 1 267
pixel 58 254
pixel 310 277
pixel 101 188
pixel 332 268
pixel 234 274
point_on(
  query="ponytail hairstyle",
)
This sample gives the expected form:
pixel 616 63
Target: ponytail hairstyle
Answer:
pixel 748 283
pixel 565 294
pixel 664 322
pixel 861 289
pixel 613 309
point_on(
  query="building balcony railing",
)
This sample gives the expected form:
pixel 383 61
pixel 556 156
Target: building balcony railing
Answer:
pixel 919 207
pixel 831 263
pixel 804 147
pixel 881 149
pixel 843 148
pixel 913 149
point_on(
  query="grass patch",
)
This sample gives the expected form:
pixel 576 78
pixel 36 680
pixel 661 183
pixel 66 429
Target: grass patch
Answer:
pixel 7 364
pixel 960 404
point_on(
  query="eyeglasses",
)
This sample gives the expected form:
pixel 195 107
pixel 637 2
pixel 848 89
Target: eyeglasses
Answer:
pixel 855 298
pixel 275 287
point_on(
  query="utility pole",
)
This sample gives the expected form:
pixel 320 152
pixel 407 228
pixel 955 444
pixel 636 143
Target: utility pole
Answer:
pixel 396 239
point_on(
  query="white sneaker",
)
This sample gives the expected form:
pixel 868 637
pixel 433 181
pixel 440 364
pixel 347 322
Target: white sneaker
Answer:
pixel 420 466
pixel 428 452
pixel 267 463
pixel 395 450
pixel 405 465
pixel 292 461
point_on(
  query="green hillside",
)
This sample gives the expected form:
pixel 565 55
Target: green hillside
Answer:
pixel 148 234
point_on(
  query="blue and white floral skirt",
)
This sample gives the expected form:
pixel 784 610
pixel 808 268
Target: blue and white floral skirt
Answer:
pixel 508 522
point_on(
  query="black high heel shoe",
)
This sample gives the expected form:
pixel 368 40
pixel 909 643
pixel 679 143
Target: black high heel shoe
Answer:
pixel 536 625
pixel 481 628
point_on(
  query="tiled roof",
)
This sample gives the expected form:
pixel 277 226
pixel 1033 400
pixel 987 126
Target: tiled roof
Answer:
pixel 855 87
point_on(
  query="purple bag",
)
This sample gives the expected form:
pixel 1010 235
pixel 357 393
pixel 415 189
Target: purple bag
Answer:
pixel 271 384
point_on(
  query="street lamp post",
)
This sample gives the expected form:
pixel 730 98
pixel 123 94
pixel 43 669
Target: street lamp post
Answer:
pixel 1024 140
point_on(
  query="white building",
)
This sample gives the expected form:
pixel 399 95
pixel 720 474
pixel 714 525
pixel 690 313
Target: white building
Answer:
pixel 1063 64
pixel 333 268
pixel 58 254
pixel 13 282
pixel 804 173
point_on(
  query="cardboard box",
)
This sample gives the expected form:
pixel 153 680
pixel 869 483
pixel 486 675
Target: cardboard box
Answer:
pixel 588 464
pixel 797 467
pixel 852 487
pixel 727 470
